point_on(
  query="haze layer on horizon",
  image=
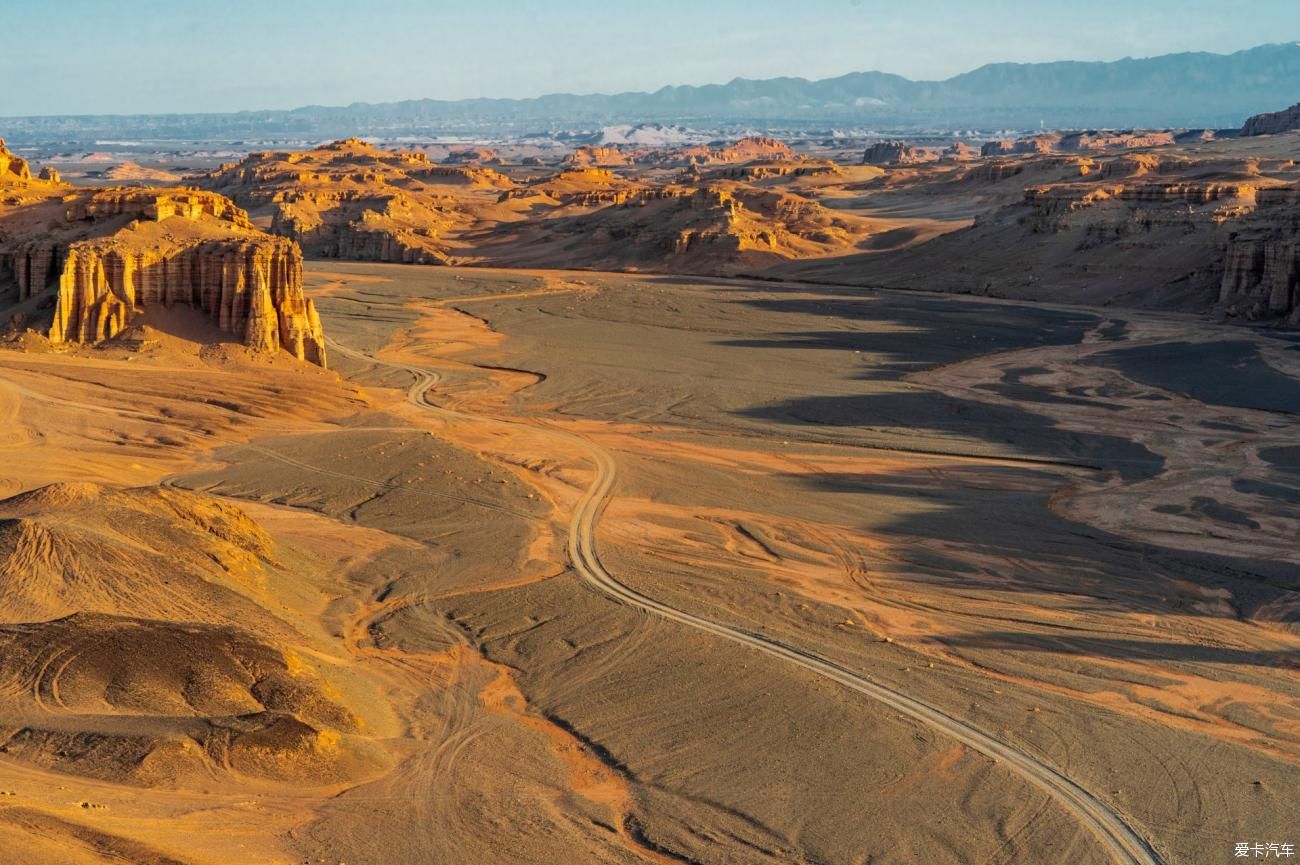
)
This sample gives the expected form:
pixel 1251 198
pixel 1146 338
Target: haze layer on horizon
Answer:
pixel 146 56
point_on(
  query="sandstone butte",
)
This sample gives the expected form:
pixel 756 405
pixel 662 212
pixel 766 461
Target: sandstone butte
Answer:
pixel 897 153
pixel 102 257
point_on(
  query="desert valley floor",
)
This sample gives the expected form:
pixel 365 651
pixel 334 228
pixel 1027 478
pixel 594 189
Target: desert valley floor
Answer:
pixel 581 567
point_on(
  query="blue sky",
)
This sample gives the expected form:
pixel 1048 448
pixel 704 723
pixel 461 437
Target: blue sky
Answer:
pixel 129 56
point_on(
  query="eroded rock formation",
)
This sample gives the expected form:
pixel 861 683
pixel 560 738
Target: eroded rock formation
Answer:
pixel 1286 120
pixel 896 153
pixel 251 289
pixel 100 258
pixel 1261 271
pixel 959 151
pixel 1034 144
pixel 1207 232
pixel 588 156
pixel 351 200
pixel 473 156
pixel 12 166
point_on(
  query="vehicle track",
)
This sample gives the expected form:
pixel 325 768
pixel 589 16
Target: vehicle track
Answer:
pixel 1122 842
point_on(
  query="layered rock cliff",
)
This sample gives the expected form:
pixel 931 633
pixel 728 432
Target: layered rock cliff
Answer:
pixel 897 153
pixel 1261 269
pixel 251 289
pixel 100 258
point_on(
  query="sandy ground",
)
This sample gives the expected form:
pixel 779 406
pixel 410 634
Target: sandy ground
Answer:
pixel 1031 519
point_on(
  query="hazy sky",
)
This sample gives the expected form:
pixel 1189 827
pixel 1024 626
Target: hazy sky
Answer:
pixel 129 56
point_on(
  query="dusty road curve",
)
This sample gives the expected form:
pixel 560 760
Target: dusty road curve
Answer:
pixel 1123 844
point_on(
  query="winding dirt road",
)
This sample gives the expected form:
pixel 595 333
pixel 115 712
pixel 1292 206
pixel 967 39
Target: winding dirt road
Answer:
pixel 1122 843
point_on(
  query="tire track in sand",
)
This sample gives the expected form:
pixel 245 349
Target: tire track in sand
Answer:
pixel 1123 844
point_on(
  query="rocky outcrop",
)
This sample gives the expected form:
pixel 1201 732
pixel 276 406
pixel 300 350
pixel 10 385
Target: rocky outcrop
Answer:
pixel 1286 120
pixel 1092 140
pixel 113 254
pixel 32 264
pixel 589 156
pixel 959 151
pixel 12 167
pixel 154 205
pixel 351 200
pixel 896 153
pixel 50 175
pixel 766 171
pixel 1034 144
pixel 752 149
pixel 1261 269
pixel 470 175
pixel 473 156
pixel 251 289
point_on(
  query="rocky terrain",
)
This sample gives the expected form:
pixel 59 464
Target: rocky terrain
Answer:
pixel 896 153
pixel 85 264
pixel 604 206
pixel 1272 123
pixel 351 200
pixel 1199 221
pixel 1015 577
pixel 1205 224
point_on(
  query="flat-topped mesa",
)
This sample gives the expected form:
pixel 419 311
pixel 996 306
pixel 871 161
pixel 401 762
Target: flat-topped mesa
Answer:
pixel 1089 141
pixel 1093 140
pixel 473 156
pixel 250 288
pixel 897 153
pixel 114 254
pixel 156 206
pixel 591 155
pixel 1034 144
pixel 752 149
pixel 958 151
pixel 1273 123
pixel 754 171
pixel 343 144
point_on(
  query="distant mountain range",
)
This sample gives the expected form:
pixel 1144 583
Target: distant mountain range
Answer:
pixel 1191 90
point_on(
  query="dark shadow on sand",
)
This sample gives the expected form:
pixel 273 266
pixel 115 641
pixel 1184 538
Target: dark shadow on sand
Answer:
pixel 1228 373
pixel 920 332
pixel 993 527
pixel 1020 432
pixel 1123 649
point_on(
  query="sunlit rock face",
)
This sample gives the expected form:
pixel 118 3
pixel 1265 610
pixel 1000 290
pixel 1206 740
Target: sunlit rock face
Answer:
pixel 99 258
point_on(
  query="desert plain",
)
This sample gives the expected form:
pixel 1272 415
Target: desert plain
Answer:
pixel 722 549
